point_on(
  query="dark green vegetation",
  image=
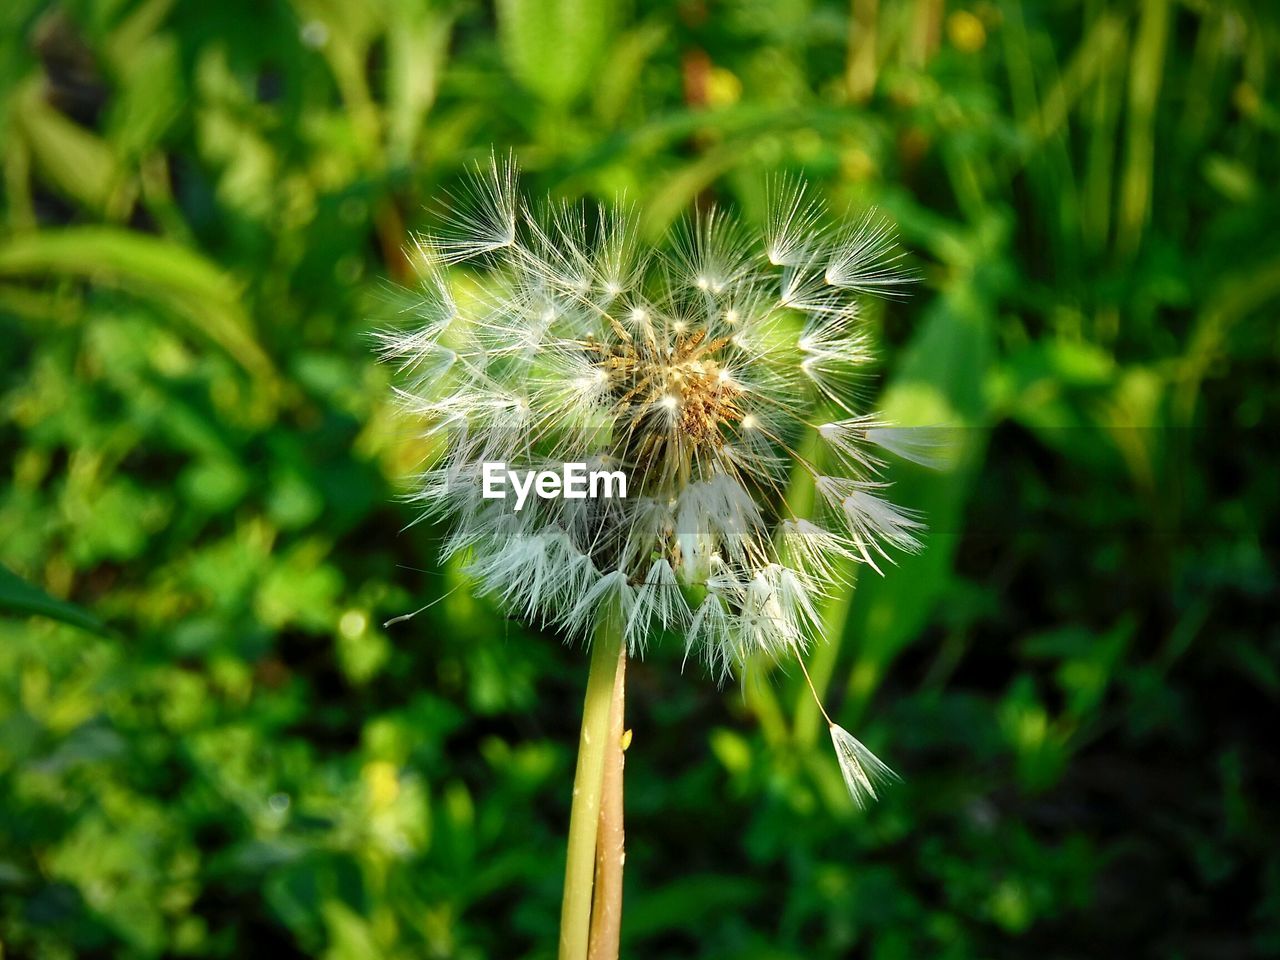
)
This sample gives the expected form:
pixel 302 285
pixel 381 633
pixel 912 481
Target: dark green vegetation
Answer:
pixel 227 756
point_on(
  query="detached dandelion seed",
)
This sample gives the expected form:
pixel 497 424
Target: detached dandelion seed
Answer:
pixel 862 770
pixel 698 372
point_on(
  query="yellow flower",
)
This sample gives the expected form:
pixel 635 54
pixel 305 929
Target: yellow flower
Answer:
pixel 966 32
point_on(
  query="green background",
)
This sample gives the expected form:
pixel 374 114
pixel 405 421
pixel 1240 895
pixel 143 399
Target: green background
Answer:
pixel 217 750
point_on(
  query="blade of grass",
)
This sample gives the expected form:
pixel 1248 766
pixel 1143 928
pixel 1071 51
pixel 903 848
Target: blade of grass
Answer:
pixel 182 281
pixel 1146 69
pixel 19 598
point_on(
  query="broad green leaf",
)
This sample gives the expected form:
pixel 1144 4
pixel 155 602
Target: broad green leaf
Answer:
pixel 948 363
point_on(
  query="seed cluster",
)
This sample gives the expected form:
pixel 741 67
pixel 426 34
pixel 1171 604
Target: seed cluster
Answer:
pixel 677 402
pixel 698 370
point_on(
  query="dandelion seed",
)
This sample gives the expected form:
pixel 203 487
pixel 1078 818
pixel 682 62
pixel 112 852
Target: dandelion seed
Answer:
pixel 872 522
pixel 813 551
pixel 793 225
pixel 658 604
pixel 927 446
pixel 685 370
pixel 851 439
pixel 866 259
pixel 485 214
pixel 709 630
pixel 862 770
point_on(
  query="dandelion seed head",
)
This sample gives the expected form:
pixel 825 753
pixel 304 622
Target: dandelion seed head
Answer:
pixel 683 367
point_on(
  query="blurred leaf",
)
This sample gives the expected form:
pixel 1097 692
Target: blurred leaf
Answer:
pixel 623 69
pixel 656 911
pixel 1038 741
pixel 68 157
pixel 949 360
pixel 417 48
pixel 19 598
pixel 554 47
pixel 177 278
pixel 940 383
pixel 351 936
pixel 151 97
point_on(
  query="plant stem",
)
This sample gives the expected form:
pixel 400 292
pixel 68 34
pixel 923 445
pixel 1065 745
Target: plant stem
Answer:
pixel 584 816
pixel 606 910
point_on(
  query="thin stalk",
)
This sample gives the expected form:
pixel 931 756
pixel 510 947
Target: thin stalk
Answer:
pixel 862 61
pixel 606 911
pixel 835 618
pixel 1146 70
pixel 814 690
pixel 588 781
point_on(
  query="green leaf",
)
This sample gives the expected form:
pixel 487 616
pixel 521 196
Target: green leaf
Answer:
pixel 553 47
pixel 417 50
pixel 76 163
pixel 20 599
pixel 620 75
pixel 179 280
pixel 150 99
pixel 663 910
pixel 948 361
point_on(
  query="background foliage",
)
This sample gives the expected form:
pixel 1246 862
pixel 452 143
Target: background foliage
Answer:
pixel 217 750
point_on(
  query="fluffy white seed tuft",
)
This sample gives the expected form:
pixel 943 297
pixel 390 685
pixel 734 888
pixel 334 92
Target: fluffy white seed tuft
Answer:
pixel 862 770
pixel 695 370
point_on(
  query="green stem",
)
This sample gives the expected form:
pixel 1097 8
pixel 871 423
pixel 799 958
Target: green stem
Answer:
pixel 611 855
pixel 584 817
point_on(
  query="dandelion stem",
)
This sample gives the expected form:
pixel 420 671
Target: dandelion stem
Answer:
pixel 814 690
pixel 835 620
pixel 584 816
pixel 606 910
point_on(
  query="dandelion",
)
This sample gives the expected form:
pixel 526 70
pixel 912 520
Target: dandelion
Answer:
pixel 699 372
